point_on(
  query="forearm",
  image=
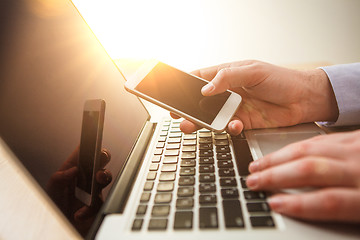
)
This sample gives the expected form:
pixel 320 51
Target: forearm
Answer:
pixel 319 101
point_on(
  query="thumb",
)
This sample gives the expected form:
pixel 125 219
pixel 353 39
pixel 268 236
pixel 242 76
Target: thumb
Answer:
pixel 227 78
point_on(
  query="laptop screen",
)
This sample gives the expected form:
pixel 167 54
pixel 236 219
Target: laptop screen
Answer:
pixel 50 64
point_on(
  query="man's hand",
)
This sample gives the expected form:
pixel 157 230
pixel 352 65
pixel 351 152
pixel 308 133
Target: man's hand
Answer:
pixel 61 188
pixel 330 163
pixel 273 96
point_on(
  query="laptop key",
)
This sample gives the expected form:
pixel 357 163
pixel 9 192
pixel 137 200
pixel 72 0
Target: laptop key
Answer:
pixel 207 199
pixel 158 151
pixel 141 210
pixel 189 148
pixel 183 220
pixel 205 146
pixel 160 145
pixel 154 167
pixel 258 207
pixel 207 187
pixel 243 182
pixel 189 171
pixel 162 139
pixel 148 186
pixel 185 203
pixel 205 134
pixel 151 176
pixel 188 163
pixel 185 191
pixel 208 217
pixel 190 136
pixel 225 164
pixel 172 152
pixel 170 159
pixel 223 156
pixel 189 142
pixel 161 198
pixel 165 187
pixel 157 224
pixel 188 155
pixel 221 136
pixel 174 140
pixel 206 160
pixel 156 159
pixel 251 195
pixel 169 168
pixel 160 210
pixel 233 214
pixel 145 197
pixel 167 176
pixel 206 169
pixel 228 182
pixel 137 224
pixel 222 149
pixel 206 153
pixel 226 172
pixel 207 177
pixel 262 221
pixel 205 140
pixel 229 193
pixel 186 181
pixel 173 146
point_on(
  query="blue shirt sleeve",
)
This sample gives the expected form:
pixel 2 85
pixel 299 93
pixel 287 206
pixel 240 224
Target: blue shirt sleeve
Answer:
pixel 345 81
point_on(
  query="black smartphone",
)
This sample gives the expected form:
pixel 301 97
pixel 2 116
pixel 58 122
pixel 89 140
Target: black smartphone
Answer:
pixel 180 93
pixel 86 188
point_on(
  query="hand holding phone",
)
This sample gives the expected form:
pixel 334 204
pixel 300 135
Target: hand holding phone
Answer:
pixel 180 92
pixel 90 150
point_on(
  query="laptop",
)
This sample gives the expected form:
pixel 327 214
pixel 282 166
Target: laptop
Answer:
pixel 166 184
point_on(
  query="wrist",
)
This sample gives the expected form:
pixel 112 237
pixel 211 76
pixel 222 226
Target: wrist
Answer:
pixel 320 102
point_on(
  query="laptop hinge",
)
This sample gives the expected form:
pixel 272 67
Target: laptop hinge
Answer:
pixel 121 189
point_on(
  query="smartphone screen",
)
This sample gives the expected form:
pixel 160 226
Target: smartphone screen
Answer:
pixel 88 149
pixel 182 91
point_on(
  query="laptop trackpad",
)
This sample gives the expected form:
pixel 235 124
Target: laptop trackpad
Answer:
pixel 270 142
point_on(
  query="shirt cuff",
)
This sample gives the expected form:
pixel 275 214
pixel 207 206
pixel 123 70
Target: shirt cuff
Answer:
pixel 345 81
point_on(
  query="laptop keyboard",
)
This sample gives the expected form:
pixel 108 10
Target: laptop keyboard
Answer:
pixel 195 181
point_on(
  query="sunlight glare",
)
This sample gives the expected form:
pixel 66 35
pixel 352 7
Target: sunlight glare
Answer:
pixel 166 30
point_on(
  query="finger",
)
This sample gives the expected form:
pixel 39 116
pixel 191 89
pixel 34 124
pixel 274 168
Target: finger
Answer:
pixel 188 127
pixel 324 204
pixel 104 177
pixel 305 172
pixel 210 72
pixel 65 176
pixel 72 160
pixel 105 157
pixel 174 116
pixel 294 151
pixel 235 127
pixel 233 77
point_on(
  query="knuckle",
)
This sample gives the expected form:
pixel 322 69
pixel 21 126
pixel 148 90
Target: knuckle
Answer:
pixel 266 178
pixel 306 168
pixel 331 202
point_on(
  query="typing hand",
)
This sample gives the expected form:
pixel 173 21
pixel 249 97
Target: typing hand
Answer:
pixel 330 163
pixel 273 96
pixel 61 188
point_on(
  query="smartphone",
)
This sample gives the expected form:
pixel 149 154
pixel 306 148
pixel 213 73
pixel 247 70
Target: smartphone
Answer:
pixel 180 93
pixel 86 188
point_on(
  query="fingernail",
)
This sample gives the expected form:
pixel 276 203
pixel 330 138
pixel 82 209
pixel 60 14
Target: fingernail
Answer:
pixel 254 166
pixel 208 88
pixel 252 181
pixel 275 203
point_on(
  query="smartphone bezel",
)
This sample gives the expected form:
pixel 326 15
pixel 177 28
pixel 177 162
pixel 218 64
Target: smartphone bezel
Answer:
pixel 220 121
pixel 97 105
